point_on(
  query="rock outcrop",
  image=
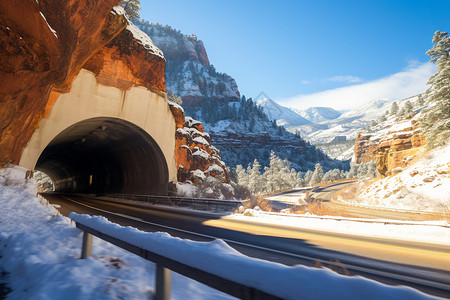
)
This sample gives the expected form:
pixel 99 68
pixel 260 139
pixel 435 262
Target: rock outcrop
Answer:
pixel 43 46
pixel 195 156
pixel 189 73
pixel 392 147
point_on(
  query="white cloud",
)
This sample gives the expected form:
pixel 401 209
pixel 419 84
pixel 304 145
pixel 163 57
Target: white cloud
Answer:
pixel 409 82
pixel 343 78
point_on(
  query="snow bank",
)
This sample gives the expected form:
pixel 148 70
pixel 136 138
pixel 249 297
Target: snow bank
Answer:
pixel 424 186
pixel 40 252
pixel 218 258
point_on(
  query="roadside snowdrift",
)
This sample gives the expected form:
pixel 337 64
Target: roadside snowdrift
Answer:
pixel 423 186
pixel 40 251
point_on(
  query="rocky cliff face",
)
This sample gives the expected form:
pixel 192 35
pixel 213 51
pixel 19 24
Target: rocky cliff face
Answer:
pixel 43 46
pixel 195 156
pixel 392 146
pixel 188 72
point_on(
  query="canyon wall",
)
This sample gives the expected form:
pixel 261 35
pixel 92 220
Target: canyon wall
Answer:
pixel 393 146
pixel 43 46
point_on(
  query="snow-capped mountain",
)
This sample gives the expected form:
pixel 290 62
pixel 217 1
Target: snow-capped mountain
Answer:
pixel 283 115
pixel 346 126
pixel 318 114
pixel 189 73
pixel 238 127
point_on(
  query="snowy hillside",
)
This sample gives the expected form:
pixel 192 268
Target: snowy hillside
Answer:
pixel 347 125
pixel 423 186
pixel 318 114
pixel 189 73
pixel 243 132
pixel 283 115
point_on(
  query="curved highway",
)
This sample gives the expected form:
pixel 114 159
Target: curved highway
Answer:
pixel 423 266
pixel 324 195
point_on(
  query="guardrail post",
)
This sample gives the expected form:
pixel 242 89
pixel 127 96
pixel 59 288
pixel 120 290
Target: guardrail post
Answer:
pixel 86 248
pixel 163 283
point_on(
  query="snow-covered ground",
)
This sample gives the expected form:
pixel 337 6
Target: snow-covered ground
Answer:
pixel 40 251
pixel 423 186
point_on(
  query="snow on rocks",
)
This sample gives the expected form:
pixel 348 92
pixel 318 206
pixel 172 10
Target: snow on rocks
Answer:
pixel 144 39
pixel 424 186
pixel 196 154
pixel 49 27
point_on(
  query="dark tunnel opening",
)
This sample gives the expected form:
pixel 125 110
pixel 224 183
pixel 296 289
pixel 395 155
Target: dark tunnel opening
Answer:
pixel 105 155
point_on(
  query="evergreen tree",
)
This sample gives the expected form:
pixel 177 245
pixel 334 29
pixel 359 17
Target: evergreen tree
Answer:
pixel 436 121
pixel 372 171
pixel 255 180
pixel 353 173
pixel 131 8
pixel 408 108
pixel 242 177
pixel 420 101
pixel 394 109
pixel 174 98
pixel 308 176
pixel 317 175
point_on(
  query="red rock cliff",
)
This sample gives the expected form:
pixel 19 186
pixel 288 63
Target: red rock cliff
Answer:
pixel 43 46
pixel 392 147
pixel 195 155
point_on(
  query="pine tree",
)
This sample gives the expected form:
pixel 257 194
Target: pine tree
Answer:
pixel 308 176
pixel 255 180
pixel 394 109
pixel 408 108
pixel 317 175
pixel 420 101
pixel 131 8
pixel 436 121
pixel 353 172
pixel 242 177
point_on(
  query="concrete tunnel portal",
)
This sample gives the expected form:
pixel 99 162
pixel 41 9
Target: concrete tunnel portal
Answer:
pixel 105 155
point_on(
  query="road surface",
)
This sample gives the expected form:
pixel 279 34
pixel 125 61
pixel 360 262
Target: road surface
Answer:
pixel 324 196
pixel 422 266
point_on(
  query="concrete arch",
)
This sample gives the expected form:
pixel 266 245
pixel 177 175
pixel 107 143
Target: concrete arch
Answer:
pixel 105 155
pixel 138 110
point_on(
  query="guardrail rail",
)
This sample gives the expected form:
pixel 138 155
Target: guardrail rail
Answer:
pixel 195 203
pixel 164 265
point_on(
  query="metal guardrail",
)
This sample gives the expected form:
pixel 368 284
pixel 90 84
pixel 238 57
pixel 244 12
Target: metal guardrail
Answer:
pixel 195 203
pixel 165 264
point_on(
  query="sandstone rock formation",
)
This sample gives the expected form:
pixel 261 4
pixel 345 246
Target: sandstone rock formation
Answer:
pixel 195 156
pixel 43 46
pixel 392 147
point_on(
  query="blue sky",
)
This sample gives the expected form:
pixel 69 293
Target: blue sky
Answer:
pixel 293 50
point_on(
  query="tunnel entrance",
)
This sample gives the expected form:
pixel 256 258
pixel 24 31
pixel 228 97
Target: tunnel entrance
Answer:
pixel 105 155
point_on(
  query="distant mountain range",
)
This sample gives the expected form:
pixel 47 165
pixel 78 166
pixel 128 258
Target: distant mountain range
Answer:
pixel 318 114
pixel 238 127
pixel 283 115
pixel 321 125
pixel 346 125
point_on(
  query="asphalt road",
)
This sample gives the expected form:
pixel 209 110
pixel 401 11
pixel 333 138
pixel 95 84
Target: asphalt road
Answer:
pixel 422 266
pixel 324 196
